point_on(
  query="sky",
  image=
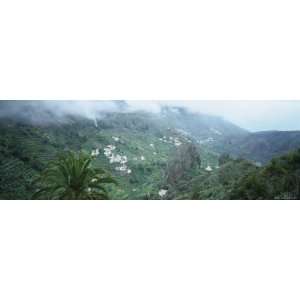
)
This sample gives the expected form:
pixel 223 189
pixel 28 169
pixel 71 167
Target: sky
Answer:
pixel 251 115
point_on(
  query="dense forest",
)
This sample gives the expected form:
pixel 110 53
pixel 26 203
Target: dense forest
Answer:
pixel 174 154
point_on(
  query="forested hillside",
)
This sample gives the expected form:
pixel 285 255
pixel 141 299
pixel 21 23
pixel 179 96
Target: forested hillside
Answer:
pixel 260 146
pixel 133 147
pixel 174 154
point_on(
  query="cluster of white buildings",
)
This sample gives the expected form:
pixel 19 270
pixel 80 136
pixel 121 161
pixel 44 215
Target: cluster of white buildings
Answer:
pixel 114 158
pixel 95 152
pixel 108 150
pixel 208 168
pixel 122 160
pixel 206 141
pixel 162 193
pixel 117 158
pixel 171 140
pixel 115 138
pixel 177 142
pixel 123 168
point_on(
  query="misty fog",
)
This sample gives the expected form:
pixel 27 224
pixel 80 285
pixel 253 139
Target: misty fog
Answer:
pixel 251 115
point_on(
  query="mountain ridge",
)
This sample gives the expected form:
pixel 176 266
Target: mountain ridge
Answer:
pixel 262 146
pixel 153 155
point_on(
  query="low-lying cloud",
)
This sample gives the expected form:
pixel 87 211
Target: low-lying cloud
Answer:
pixel 251 115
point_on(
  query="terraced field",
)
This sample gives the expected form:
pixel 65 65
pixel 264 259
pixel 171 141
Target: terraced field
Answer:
pixel 134 149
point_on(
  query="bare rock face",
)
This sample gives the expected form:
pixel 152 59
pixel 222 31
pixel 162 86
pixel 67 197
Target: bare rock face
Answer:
pixel 186 158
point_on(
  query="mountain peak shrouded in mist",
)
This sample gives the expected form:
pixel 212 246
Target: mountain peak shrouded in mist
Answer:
pixel 61 111
pixel 154 149
pixel 250 115
pixel 43 112
pixel 203 126
pixel 52 111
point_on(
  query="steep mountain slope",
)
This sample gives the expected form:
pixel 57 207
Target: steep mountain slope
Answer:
pixel 205 128
pixel 174 154
pixel 241 179
pixel 221 182
pixel 279 179
pixel 260 146
pixel 134 147
pixel 220 136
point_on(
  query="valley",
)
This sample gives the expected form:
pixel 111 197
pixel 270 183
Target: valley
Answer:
pixel 174 154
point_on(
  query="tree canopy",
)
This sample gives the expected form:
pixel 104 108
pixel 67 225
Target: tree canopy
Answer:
pixel 72 176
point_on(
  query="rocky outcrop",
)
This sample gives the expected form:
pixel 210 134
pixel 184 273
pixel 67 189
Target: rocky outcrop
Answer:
pixel 185 159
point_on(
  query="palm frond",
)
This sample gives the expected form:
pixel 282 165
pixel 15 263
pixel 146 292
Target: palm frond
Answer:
pixel 71 176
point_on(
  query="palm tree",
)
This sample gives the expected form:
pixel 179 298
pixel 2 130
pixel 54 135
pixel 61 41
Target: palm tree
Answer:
pixel 71 176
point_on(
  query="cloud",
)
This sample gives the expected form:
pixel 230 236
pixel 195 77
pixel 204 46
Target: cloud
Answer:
pixel 51 111
pixel 251 115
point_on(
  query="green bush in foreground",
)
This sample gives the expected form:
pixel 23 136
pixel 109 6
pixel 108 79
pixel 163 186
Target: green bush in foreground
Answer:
pixel 71 176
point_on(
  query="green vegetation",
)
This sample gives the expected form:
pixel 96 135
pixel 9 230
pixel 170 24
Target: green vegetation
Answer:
pixel 280 179
pixel 71 176
pixel 26 150
pixel 220 183
pixel 259 146
pixel 175 156
pixel 240 179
